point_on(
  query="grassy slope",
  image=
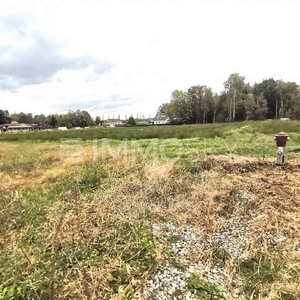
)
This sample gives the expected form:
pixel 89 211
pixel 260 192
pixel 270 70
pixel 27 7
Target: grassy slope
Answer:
pixel 148 132
pixel 246 138
pixel 96 234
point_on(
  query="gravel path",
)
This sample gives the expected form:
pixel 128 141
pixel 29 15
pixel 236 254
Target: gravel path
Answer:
pixel 184 244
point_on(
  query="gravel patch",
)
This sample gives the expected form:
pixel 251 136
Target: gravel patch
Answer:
pixel 170 281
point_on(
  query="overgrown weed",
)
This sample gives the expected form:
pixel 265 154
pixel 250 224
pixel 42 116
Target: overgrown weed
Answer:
pixel 89 225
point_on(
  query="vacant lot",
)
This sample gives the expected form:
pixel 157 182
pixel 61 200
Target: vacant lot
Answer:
pixel 187 212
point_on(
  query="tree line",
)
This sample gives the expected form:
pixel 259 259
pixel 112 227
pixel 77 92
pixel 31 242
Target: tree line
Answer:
pixel 71 119
pixel 239 101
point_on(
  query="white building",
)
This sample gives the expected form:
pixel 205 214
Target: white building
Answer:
pixel 161 120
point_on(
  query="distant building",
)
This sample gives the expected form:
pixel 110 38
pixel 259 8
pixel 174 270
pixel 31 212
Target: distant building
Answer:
pixel 160 120
pixel 16 127
pixel 62 128
pixel 113 122
pixel 19 127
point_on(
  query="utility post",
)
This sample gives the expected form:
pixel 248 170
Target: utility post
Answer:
pixel 281 138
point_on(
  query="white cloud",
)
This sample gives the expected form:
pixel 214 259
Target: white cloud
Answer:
pixel 152 47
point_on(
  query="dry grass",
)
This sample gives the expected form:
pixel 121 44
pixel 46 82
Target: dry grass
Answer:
pixel 98 244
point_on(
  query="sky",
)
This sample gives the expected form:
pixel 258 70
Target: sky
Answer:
pixel 126 57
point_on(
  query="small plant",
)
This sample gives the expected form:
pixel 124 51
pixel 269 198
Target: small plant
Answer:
pixel 177 264
pixel 259 272
pixel 91 176
pixel 174 238
pixel 203 290
pixel 201 165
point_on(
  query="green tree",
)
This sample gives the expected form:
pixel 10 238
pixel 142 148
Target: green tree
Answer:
pixel 295 114
pixel 201 99
pixel 196 98
pixel 234 87
pixel 260 108
pixel 181 101
pixel 65 120
pixel 131 121
pixel 14 117
pixel 279 96
pixel 22 118
pixel 215 102
pixel 53 121
pixel 163 109
pixel 172 110
pixel 249 106
pixel 272 95
pixel 206 104
pixel 29 118
pixel 287 91
pixel 97 120
pixel 86 119
pixel 40 120
pixel 4 117
pixel 221 110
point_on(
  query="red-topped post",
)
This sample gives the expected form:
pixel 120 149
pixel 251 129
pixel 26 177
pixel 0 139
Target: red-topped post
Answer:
pixel 281 138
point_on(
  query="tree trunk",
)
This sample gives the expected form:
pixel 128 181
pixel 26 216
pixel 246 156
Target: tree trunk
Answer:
pixel 204 112
pixel 233 112
pixel 230 110
pixel 281 109
pixel 276 108
pixel 214 118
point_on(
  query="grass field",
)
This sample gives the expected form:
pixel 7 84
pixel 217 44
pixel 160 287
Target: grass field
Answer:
pixel 79 218
pixel 161 132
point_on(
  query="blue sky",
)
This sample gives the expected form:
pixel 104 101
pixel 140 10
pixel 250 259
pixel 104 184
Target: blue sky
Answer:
pixel 111 57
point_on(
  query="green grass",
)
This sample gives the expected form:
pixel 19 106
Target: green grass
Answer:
pixel 246 138
pixel 203 290
pixel 23 278
pixel 259 272
pixel 192 148
pixel 103 242
pixel 91 177
pixel 20 276
pixel 36 267
pixel 160 132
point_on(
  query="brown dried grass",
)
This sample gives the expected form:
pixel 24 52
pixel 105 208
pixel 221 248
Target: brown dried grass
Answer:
pixel 156 191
